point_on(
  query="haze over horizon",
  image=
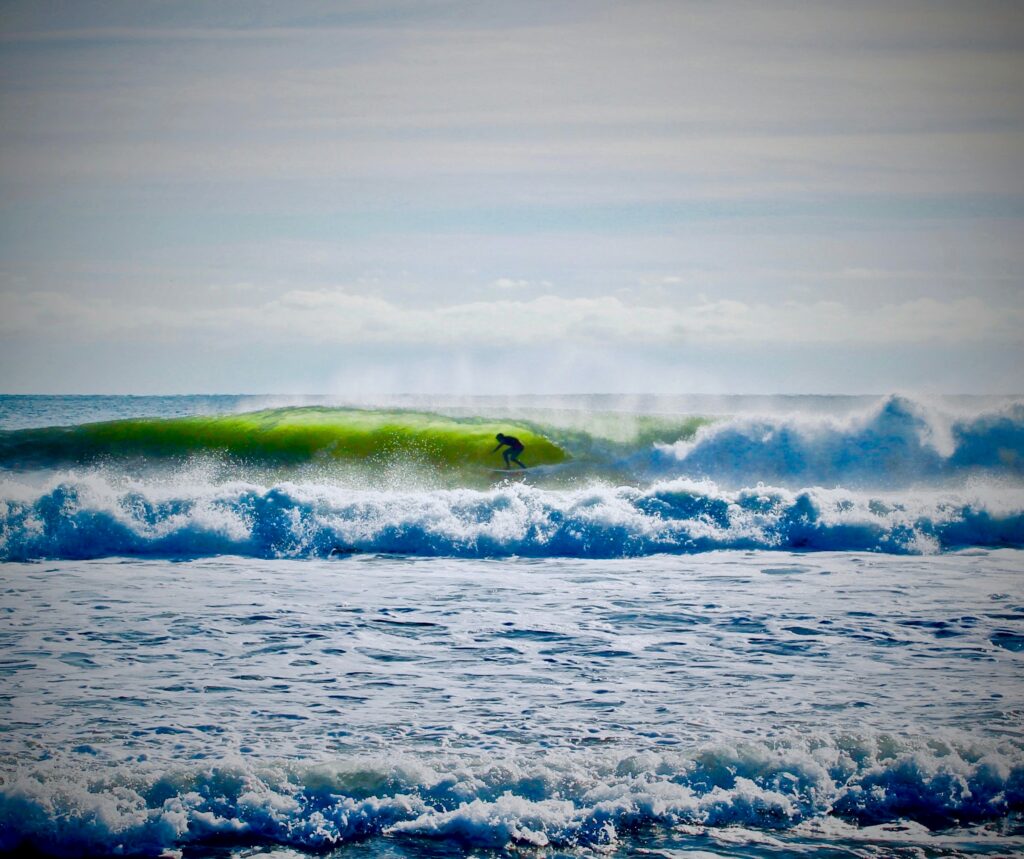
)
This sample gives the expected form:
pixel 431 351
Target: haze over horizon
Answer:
pixel 365 198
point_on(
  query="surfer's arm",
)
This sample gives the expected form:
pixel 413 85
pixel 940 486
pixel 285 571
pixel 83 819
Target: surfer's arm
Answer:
pixel 498 447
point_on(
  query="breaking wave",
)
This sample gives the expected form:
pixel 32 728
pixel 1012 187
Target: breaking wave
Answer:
pixel 69 807
pixel 898 443
pixel 94 518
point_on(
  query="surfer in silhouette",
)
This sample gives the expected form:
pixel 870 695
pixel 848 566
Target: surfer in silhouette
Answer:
pixel 515 447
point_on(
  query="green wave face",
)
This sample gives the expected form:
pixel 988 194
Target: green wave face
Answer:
pixel 286 436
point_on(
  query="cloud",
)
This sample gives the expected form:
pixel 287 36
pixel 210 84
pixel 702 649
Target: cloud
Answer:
pixel 510 283
pixel 341 316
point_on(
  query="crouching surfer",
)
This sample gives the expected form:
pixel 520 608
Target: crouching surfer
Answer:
pixel 515 447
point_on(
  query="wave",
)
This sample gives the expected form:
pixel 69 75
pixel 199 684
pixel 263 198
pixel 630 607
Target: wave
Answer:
pixel 63 806
pixel 897 443
pixel 280 436
pixel 905 478
pixel 97 517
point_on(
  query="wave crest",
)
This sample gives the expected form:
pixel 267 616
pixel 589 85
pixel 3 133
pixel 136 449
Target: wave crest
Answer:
pixel 898 443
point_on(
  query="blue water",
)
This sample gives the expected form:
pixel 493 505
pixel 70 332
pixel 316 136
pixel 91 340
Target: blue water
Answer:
pixel 799 631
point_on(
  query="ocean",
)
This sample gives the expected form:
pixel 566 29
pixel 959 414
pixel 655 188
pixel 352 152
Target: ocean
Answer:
pixel 693 627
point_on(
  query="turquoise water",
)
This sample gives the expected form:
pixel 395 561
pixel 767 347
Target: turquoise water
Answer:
pixel 737 627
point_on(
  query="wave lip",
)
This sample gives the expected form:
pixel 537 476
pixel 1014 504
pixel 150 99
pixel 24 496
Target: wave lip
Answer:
pixel 77 519
pixel 562 801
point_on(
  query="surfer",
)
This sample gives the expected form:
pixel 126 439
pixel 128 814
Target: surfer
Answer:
pixel 515 447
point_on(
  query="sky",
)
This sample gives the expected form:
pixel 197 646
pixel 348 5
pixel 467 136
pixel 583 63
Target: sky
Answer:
pixel 424 196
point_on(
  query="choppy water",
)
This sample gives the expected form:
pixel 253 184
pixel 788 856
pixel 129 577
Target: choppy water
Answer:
pixel 568 664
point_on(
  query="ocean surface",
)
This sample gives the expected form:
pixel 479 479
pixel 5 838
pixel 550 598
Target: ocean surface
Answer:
pixel 694 627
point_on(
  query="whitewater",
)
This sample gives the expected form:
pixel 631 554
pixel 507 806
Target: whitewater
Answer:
pixel 696 626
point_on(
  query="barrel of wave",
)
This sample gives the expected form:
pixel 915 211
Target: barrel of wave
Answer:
pixel 290 435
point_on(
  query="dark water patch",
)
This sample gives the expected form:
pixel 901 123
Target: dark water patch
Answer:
pixel 743 624
pixel 422 624
pixel 389 655
pixel 78 660
pixel 607 654
pixel 782 648
pixel 533 634
pixel 1008 640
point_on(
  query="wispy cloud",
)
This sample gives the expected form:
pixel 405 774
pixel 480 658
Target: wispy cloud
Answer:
pixel 339 316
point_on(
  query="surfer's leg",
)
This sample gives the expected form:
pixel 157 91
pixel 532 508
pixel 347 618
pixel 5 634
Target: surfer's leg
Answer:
pixel 515 459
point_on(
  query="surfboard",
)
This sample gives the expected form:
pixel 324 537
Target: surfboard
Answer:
pixel 535 470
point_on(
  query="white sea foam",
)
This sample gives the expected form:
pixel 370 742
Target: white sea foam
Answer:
pixel 76 516
pixel 562 800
